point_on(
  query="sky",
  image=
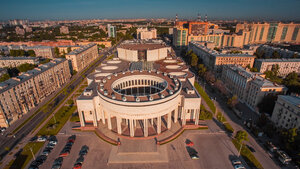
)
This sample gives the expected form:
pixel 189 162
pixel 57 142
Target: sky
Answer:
pixel 118 9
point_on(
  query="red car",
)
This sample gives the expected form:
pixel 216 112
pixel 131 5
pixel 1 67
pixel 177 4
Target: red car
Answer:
pixel 64 154
pixel 189 143
pixel 77 166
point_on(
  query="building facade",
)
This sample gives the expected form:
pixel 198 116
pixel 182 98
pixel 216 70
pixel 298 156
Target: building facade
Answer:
pixel 64 30
pixel 145 33
pixel 267 51
pixel 214 60
pixel 82 57
pixel 286 113
pixel 112 32
pixel 286 66
pixel 42 51
pixel 16 61
pixel 135 99
pixel 250 87
pixel 20 94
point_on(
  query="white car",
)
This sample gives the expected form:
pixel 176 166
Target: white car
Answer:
pixel 41 139
pixel 236 162
pixel 53 142
pixel 239 166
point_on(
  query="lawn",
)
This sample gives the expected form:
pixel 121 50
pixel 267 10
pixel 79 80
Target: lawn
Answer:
pixel 206 98
pixel 55 124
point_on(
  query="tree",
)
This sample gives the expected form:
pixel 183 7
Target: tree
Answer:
pixel 69 49
pixel 292 134
pixel 276 54
pixel 31 53
pixel 241 136
pixel 25 67
pixel 194 59
pixel 233 101
pixel 253 69
pixel 4 77
pixel 201 69
pixel 210 77
pixel 221 86
pixel 56 51
pixel 292 82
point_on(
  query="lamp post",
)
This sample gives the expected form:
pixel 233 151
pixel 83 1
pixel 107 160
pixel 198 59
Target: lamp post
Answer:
pixel 32 153
pixel 239 153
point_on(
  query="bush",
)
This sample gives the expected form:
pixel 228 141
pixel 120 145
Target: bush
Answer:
pixel 228 127
pixel 54 125
pixel 247 155
pixel 221 117
pixel 205 114
pixel 206 98
pixel 74 118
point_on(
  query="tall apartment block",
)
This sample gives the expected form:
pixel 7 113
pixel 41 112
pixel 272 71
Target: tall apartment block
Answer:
pixel 214 60
pixel 248 86
pixel 112 33
pixel 16 61
pixel 82 57
pixel 286 66
pixel 64 30
pixel 145 33
pixel 20 94
pixel 286 113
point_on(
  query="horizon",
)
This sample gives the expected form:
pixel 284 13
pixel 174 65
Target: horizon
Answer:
pixel 133 9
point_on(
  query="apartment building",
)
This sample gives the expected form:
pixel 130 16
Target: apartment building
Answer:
pixel 82 57
pixel 286 113
pixel 214 59
pixel 145 33
pixel 20 94
pixel 42 51
pixel 268 52
pixel 64 30
pixel 248 86
pixel 286 66
pixel 112 32
pixel 16 61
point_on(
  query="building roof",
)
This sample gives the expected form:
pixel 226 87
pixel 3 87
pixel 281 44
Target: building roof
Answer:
pixel 18 58
pixel 82 49
pixel 294 100
pixel 278 60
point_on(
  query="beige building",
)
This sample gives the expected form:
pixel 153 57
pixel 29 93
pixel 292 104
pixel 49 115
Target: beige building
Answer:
pixel 20 94
pixel 64 30
pixel 286 66
pixel 16 61
pixel 139 99
pixel 83 56
pixel 248 86
pixel 143 50
pixel 64 49
pixel 42 51
pixel 214 59
pixel 286 113
pixel 269 32
pixel 107 44
pixel 145 33
pixel 269 52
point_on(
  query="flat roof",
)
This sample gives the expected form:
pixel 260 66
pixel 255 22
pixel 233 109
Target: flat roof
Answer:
pixel 294 100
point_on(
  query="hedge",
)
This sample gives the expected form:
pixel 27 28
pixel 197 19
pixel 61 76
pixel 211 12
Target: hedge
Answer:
pixel 247 155
pixel 205 114
pixel 204 95
pixel 228 127
pixel 221 117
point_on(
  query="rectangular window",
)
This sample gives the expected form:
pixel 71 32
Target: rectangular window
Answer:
pixel 232 40
pixel 255 33
pixel 261 33
pixel 295 33
pixel 283 34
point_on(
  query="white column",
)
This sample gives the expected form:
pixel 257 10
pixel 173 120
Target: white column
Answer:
pixel 183 117
pixel 135 121
pixel 151 121
pixel 81 117
pixel 95 118
pixel 126 122
pixel 176 115
pixel 197 113
pixel 103 116
pixel 145 127
pixel 109 121
pixel 119 128
pixel 169 120
pixel 131 128
pixel 158 125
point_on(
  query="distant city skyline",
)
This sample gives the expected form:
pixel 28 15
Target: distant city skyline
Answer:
pixel 119 9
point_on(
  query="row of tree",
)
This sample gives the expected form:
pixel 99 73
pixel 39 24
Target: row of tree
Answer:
pixel 20 52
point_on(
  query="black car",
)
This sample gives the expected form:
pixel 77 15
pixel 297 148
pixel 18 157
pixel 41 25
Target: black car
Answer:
pixel 41 158
pixel 83 152
pixel 80 159
pixel 59 160
pixel 33 167
pixel 251 148
pixel 33 139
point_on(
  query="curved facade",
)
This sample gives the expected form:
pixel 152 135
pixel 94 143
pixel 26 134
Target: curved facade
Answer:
pixel 135 102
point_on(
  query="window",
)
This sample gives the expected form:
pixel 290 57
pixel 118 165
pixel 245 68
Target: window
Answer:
pixel 295 33
pixel 91 112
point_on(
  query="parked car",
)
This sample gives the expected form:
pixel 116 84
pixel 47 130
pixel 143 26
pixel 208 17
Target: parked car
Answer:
pixel 46 152
pixel 80 159
pixel 2 129
pixel 251 148
pixel 77 166
pixel 236 162
pixel 64 153
pixel 41 139
pixel 33 139
pixel 54 142
pixel 56 166
pixel 194 156
pixel 72 138
pixel 239 166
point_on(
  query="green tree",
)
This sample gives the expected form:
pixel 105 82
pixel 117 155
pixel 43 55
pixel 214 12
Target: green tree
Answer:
pixel 56 51
pixel 194 59
pixel 69 49
pixel 233 101
pixel 25 67
pixel 201 69
pixel 4 77
pixel 31 53
pixel 241 136
pixel 253 69
pixel 292 134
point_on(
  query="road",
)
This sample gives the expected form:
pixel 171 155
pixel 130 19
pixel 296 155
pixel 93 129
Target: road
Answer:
pixel 28 127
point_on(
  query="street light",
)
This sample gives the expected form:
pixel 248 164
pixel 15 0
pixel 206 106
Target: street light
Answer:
pixel 32 153
pixel 239 153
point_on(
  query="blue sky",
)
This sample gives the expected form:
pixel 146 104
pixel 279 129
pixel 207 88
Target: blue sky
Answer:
pixel 113 9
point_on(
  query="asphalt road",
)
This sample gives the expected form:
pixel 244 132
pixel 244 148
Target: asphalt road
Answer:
pixel 29 126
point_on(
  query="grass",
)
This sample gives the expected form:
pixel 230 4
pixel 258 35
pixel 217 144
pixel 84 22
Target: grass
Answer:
pixel 55 124
pixel 26 155
pixel 247 155
pixel 74 118
pixel 204 95
pixel 205 114
pixel 70 101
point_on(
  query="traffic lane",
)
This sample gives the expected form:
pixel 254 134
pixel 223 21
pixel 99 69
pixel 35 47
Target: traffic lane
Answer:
pixel 214 150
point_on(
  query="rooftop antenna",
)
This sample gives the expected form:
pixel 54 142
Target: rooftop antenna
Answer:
pixel 199 17
pixel 176 19
pixel 205 20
